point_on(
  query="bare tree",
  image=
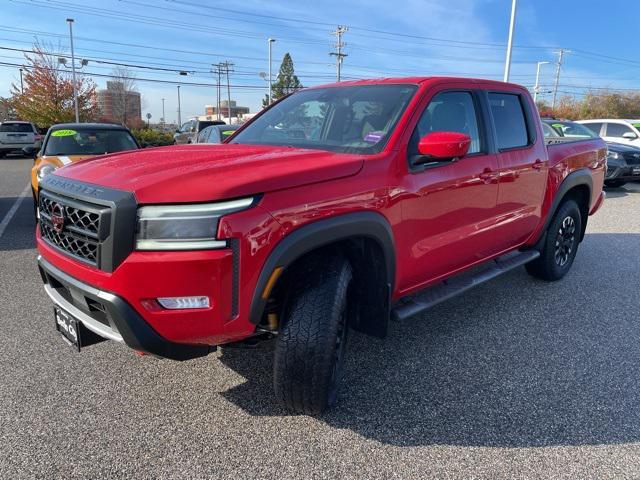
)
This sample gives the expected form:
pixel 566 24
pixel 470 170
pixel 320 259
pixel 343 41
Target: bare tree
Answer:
pixel 123 89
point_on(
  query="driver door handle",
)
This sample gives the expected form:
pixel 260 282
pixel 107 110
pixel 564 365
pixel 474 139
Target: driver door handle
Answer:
pixel 537 165
pixel 488 175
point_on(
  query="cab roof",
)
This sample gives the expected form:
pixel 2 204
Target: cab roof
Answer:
pixel 421 81
pixel 93 126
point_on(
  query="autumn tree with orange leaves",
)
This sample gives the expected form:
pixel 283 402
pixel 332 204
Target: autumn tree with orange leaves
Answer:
pixel 48 92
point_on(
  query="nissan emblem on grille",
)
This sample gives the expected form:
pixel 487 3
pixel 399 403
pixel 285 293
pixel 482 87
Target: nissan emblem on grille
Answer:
pixel 57 217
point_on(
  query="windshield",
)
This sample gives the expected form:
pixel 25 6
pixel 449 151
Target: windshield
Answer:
pixel 572 129
pixel 227 131
pixel 352 119
pixel 83 141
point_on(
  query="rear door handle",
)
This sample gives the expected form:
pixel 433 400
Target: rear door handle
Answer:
pixel 537 164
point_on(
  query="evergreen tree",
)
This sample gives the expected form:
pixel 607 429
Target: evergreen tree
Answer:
pixel 285 83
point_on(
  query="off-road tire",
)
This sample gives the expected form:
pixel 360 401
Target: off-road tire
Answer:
pixel 309 352
pixel 560 245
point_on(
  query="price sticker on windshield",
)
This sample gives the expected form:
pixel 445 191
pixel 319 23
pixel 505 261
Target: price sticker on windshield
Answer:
pixel 63 133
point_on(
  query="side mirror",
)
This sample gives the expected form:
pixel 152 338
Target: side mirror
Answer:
pixel 30 152
pixel 629 135
pixel 441 146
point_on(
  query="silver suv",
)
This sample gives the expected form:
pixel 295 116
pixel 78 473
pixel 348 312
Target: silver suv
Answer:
pixel 188 132
pixel 15 135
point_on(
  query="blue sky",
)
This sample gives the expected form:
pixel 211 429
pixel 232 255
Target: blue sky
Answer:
pixel 401 38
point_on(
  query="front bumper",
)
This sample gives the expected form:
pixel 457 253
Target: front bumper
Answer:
pixel 110 316
pixel 628 173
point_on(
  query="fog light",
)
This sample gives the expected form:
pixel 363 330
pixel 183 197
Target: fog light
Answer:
pixel 181 303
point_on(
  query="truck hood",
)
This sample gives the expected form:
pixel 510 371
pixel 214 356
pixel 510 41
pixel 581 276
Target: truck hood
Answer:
pixel 197 173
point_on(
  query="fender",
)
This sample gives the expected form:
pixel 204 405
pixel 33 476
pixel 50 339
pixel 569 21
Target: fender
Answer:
pixel 579 177
pixel 321 233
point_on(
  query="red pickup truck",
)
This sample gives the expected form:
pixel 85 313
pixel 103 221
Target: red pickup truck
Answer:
pixel 339 207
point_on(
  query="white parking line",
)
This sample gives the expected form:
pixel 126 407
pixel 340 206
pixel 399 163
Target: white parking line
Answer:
pixel 12 211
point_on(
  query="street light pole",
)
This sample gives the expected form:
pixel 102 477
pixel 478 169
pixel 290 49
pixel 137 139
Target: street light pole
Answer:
pixel 271 40
pixel 21 84
pixel 512 24
pixel 536 88
pixel 179 118
pixel 73 69
pixel 163 119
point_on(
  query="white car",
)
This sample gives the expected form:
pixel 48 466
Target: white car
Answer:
pixel 615 130
pixel 15 135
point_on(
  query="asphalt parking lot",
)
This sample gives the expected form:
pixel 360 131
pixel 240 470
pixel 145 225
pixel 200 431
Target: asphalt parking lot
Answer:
pixel 518 378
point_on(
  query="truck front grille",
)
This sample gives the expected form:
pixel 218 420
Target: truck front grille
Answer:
pixel 76 228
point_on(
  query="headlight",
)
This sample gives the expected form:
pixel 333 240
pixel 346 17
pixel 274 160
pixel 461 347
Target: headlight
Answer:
pixel 45 170
pixel 184 227
pixel 613 155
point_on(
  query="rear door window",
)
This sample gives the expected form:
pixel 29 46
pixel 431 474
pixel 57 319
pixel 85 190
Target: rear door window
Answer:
pixel 509 120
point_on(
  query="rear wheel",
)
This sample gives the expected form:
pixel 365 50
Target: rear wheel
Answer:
pixel 311 345
pixel 561 244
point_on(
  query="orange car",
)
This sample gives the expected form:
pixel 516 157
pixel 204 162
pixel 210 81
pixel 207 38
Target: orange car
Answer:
pixel 70 142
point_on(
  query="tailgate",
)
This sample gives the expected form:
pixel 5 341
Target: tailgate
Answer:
pixel 17 137
pixel 13 133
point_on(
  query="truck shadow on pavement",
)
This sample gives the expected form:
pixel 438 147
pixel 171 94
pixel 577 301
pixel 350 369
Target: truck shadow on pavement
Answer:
pixel 620 192
pixel 515 363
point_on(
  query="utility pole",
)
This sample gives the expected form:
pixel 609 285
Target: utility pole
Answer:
pixel 225 68
pixel 536 88
pixel 271 40
pixel 341 30
pixel 73 69
pixel 21 84
pixel 561 54
pixel 179 118
pixel 512 24
pixel 164 122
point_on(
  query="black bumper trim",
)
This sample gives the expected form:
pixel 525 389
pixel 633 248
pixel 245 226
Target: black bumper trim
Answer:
pixel 135 331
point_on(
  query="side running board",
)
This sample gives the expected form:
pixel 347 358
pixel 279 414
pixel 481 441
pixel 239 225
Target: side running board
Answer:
pixel 416 303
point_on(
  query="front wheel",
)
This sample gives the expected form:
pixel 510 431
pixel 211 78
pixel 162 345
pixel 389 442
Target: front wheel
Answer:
pixel 561 244
pixel 311 344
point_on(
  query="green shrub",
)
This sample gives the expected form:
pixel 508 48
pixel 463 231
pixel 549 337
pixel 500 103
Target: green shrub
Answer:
pixel 152 138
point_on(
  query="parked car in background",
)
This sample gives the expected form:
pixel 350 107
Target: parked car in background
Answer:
pixel 569 129
pixel 623 161
pixel 216 133
pixel 615 130
pixel 345 206
pixel 66 143
pixel 188 131
pixel 623 165
pixel 15 135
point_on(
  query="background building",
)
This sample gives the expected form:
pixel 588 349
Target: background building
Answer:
pixel 236 111
pixel 119 105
